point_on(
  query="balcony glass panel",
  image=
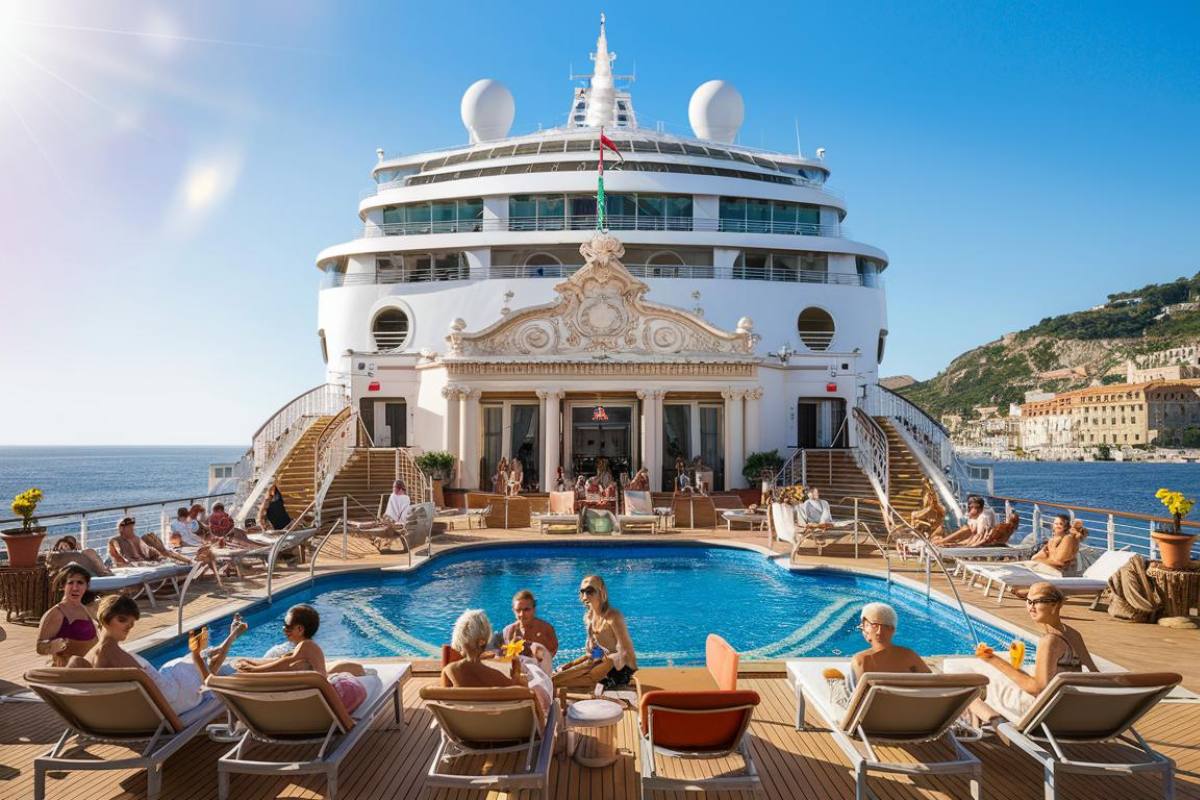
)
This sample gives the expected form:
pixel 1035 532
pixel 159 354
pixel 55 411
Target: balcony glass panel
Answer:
pixel 650 211
pixel 733 214
pixel 522 211
pixel 470 214
pixel 445 217
pixel 784 217
pixel 550 210
pixel 809 215
pixel 393 215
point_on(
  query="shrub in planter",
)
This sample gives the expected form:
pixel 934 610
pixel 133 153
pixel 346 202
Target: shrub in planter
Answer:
pixel 438 464
pixel 758 463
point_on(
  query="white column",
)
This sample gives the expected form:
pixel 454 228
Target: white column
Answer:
pixel 654 465
pixel 450 432
pixel 753 436
pixel 468 438
pixel 550 435
pixel 649 428
pixel 733 437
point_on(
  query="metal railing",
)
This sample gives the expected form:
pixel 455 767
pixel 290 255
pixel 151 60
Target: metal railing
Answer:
pixel 688 271
pixel 319 401
pixel 872 453
pixel 587 222
pixel 334 448
pixel 83 523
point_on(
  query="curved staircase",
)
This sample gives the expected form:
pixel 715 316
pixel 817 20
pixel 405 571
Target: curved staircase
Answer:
pixel 905 476
pixel 295 474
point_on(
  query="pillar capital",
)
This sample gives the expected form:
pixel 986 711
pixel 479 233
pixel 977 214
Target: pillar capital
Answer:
pixel 755 393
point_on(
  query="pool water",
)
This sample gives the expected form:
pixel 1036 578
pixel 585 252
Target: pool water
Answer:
pixel 672 597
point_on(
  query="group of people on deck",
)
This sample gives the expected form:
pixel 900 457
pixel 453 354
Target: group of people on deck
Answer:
pixel 509 477
pixel 609 658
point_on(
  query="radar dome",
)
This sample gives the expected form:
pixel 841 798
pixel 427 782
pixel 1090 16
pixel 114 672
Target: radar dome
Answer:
pixel 487 110
pixel 716 111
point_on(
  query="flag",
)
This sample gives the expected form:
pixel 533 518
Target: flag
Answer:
pixel 604 142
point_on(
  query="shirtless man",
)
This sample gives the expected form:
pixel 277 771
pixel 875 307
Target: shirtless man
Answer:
pixel 980 521
pixel 528 627
pixel 878 626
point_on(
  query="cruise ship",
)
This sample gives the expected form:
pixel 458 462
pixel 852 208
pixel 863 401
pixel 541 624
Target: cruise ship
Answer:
pixel 729 312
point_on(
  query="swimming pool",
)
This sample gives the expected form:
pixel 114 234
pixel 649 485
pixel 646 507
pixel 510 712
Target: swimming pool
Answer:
pixel 672 596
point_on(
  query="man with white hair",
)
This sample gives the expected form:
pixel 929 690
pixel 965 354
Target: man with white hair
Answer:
pixel 878 625
pixel 399 503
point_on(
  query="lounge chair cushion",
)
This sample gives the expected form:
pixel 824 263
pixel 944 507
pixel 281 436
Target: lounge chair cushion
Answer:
pixel 721 661
pixel 674 679
pixel 297 717
pixel 121 713
pixel 1093 716
pixel 716 731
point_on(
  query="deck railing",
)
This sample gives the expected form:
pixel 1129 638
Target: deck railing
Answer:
pixel 323 400
pixel 461 272
pixel 587 222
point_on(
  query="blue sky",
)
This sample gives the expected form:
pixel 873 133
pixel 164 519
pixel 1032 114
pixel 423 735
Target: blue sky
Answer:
pixel 169 170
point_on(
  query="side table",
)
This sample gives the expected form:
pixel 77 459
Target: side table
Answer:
pixel 600 717
pixel 1180 587
pixel 25 593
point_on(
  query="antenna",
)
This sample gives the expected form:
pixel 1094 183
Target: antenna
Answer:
pixel 796 121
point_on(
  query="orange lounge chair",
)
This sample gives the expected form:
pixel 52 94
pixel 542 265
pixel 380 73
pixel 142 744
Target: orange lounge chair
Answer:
pixel 696 713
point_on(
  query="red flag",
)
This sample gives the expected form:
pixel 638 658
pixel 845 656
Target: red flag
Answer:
pixel 607 142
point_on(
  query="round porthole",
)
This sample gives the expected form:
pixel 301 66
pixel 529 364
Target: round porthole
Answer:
pixel 390 329
pixel 816 328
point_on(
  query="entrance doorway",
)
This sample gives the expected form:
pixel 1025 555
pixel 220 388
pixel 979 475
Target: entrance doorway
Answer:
pixel 386 420
pixel 820 422
pixel 602 438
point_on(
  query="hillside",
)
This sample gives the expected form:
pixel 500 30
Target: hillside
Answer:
pixel 1066 352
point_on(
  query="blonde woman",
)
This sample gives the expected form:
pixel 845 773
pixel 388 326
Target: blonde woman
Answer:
pixel 500 477
pixel 610 657
pixel 516 477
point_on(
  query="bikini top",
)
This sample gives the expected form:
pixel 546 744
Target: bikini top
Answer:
pixel 1068 661
pixel 77 630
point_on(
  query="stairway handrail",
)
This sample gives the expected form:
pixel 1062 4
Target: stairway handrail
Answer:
pixel 872 452
pixel 939 447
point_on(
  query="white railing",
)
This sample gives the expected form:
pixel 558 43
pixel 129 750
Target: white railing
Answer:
pixel 334 448
pixel 91 527
pixel 460 272
pixel 587 222
pixel 871 453
pixel 323 400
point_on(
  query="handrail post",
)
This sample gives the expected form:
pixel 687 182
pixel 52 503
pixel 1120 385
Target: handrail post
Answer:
pixel 1036 521
pixel 345 532
pixel 1112 532
pixel 1153 543
pixel 163 523
pixel 83 531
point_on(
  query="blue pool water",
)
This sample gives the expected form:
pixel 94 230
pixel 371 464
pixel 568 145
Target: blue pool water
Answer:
pixel 672 596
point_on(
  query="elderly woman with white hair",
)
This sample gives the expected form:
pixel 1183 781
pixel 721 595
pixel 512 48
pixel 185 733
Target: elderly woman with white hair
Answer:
pixel 472 633
pixel 878 623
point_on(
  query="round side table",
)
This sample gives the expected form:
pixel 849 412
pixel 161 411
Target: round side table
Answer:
pixel 600 718
pixel 1180 587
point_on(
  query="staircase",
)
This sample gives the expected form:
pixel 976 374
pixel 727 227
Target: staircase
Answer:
pixel 367 475
pixel 295 474
pixel 904 472
pixel 838 476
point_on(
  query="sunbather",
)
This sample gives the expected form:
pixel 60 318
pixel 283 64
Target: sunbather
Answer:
pixel 878 625
pixel 66 551
pixel 300 626
pixel 640 481
pixel 980 521
pixel 68 628
pixel 1060 649
pixel 609 650
pixel 472 633
pixel 399 503
pixel 181 680
pixel 126 549
pixel 816 511
pixel 529 628
pixel 1060 551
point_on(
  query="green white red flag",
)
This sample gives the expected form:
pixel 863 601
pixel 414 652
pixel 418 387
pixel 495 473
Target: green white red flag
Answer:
pixel 611 145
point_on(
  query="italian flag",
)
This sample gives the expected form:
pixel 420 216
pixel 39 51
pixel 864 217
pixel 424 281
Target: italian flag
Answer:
pixel 604 142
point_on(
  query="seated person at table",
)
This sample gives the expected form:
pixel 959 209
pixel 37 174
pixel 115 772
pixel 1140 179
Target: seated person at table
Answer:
pixel 560 480
pixel 592 490
pixel 185 531
pixel 472 632
pixel 126 549
pixel 68 629
pixel 1059 553
pixel 816 511
pixel 529 628
pixel 180 680
pixel 1060 649
pixel 878 625
pixel 607 637
pixel 66 551
pixel 640 482
pixel 225 531
pixel 198 515
pixel 581 487
pixel 980 521
pixel 399 503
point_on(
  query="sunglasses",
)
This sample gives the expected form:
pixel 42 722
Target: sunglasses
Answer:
pixel 128 521
pixel 1033 601
pixel 588 591
pixel 864 624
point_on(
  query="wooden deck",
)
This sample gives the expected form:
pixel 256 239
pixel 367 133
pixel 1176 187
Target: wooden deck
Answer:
pixel 392 761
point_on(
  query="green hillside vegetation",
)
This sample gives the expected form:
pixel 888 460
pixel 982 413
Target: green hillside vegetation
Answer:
pixel 1096 341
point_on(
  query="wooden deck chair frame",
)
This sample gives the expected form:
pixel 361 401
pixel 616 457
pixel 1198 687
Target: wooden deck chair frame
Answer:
pixel 556 517
pixel 170 735
pixel 859 745
pixel 822 537
pixel 653 781
pixel 1032 733
pixel 642 519
pixel 538 748
pixel 341 738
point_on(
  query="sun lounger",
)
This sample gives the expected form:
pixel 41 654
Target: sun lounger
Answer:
pixel 1093 581
pixel 1093 708
pixel 890 708
pixel 113 706
pixel 639 511
pixel 301 708
pixel 491 721
pixel 149 578
pixel 916 548
pixel 561 514
pixel 783 518
pixel 689 713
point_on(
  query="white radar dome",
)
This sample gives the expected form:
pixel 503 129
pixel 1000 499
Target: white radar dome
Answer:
pixel 716 111
pixel 487 110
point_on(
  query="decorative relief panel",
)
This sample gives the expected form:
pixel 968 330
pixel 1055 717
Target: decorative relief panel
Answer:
pixel 601 309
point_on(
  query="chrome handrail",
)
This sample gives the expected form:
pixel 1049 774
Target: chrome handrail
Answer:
pixel 292 539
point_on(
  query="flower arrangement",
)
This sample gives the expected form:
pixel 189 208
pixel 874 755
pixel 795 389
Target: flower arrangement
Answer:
pixel 1175 503
pixel 792 495
pixel 24 505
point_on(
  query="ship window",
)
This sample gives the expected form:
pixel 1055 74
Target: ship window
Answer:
pixel 390 329
pixel 503 152
pixel 527 149
pixel 694 150
pixel 457 158
pixel 816 328
pixel 579 145
pixel 669 147
pixel 479 155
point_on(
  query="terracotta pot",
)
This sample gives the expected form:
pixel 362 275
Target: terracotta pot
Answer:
pixel 1176 549
pixel 23 547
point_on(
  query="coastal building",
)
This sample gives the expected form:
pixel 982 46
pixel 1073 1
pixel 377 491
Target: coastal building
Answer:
pixel 1155 413
pixel 1171 364
pixel 724 310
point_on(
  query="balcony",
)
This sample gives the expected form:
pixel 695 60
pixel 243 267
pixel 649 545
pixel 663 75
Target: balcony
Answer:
pixel 588 222
pixel 557 271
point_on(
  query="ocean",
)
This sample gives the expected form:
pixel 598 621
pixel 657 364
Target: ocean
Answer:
pixel 75 478
pixel 91 477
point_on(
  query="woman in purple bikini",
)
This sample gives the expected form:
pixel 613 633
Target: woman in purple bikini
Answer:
pixel 68 628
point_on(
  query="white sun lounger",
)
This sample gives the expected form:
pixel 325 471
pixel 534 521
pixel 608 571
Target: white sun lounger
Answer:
pixel 149 578
pixel 891 708
pixel 1093 581
pixel 301 708
pixel 1010 552
pixel 561 514
pixel 113 706
pixel 784 517
pixel 639 511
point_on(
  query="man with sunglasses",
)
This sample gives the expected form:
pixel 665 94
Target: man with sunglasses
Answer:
pixel 126 548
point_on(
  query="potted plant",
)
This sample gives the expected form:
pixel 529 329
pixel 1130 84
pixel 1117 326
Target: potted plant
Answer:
pixel 23 543
pixel 1174 545
pixel 438 465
